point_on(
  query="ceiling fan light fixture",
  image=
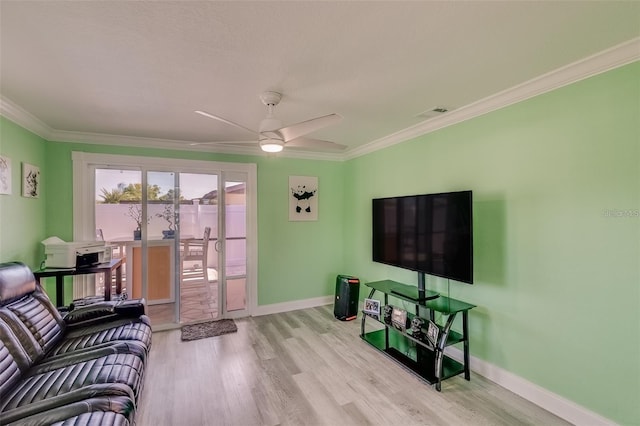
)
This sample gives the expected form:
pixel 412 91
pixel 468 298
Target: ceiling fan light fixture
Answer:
pixel 272 136
pixel 271 145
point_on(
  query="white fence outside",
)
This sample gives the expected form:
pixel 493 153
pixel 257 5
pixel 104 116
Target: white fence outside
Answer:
pixel 117 225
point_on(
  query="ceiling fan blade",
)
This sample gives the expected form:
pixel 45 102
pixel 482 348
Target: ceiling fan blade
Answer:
pixel 224 120
pixel 315 144
pixel 224 143
pixel 300 129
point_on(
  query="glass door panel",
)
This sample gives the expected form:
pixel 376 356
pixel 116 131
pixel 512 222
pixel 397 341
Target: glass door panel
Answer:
pixel 235 247
pixel 199 261
pixel 117 213
pixel 154 257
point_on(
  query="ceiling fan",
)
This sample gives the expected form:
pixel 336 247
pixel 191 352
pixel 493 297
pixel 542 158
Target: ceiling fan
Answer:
pixel 273 136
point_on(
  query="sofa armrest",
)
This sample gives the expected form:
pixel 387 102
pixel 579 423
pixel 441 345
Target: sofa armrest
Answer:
pixel 100 310
pixel 105 311
pixel 56 402
pixel 131 308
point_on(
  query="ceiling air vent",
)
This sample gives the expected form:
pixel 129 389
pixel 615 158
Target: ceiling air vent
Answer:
pixel 432 112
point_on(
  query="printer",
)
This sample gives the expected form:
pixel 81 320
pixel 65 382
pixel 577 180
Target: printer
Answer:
pixel 74 254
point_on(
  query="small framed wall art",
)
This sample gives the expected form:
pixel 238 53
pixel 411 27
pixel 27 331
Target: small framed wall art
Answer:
pixel 30 181
pixel 303 198
pixel 5 175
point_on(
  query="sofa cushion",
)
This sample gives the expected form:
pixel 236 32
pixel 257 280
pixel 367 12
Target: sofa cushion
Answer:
pixel 37 316
pixel 113 411
pixel 11 366
pixel 39 391
pixel 126 329
pixel 16 280
pixel 43 332
pixel 113 369
pixel 96 418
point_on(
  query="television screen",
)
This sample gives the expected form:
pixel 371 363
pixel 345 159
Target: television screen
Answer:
pixel 430 233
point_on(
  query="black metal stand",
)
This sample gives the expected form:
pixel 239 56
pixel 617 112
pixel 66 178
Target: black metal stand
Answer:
pixel 417 353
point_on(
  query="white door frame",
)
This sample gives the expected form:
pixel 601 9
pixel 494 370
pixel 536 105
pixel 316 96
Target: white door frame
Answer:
pixel 84 204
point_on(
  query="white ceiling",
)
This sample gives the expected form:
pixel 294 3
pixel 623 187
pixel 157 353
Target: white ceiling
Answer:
pixel 140 69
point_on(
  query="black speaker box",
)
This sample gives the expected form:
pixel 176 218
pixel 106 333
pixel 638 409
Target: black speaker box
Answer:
pixel 345 307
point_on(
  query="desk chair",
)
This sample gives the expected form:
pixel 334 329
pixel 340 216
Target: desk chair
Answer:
pixel 195 250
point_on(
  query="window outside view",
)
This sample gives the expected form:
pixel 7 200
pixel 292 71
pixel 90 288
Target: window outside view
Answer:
pixel 119 203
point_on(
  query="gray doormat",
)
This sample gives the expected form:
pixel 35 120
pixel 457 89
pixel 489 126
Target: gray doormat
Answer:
pixel 208 329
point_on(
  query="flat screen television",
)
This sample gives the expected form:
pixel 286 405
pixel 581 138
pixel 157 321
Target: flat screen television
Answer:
pixel 430 234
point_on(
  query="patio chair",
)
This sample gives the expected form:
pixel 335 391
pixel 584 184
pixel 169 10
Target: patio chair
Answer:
pixel 195 250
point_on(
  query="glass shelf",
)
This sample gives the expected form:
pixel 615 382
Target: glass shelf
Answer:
pixel 426 360
pixel 420 361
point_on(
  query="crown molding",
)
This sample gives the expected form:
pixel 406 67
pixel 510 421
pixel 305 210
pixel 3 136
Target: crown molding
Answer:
pixel 142 142
pixel 615 57
pixel 24 119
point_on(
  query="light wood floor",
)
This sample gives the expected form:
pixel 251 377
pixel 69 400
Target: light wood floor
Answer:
pixel 199 303
pixel 198 298
pixel 307 368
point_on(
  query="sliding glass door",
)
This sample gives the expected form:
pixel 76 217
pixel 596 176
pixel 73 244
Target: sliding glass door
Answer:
pixel 183 237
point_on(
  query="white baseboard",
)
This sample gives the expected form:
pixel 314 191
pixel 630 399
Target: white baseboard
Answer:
pixel 561 407
pixel 294 305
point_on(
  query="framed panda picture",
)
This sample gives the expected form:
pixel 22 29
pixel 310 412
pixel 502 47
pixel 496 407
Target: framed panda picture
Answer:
pixel 303 198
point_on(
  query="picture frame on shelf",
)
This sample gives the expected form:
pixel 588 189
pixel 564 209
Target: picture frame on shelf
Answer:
pixel 372 307
pixel 388 310
pixel 416 328
pixel 433 332
pixel 399 319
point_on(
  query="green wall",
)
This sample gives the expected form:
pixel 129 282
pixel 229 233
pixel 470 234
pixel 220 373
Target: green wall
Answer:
pixel 294 262
pixel 22 220
pixel 299 260
pixel 556 278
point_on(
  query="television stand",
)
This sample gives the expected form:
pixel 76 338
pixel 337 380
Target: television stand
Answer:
pixel 417 353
